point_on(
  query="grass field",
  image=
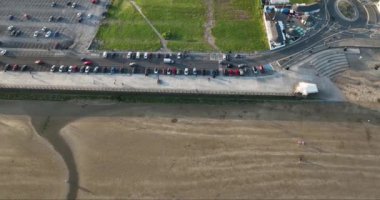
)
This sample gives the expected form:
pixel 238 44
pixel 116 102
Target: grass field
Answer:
pixel 239 25
pixel 183 18
pixel 125 29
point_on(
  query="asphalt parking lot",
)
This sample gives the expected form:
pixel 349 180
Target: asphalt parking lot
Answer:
pixel 29 17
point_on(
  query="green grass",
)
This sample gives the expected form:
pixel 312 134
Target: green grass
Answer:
pixel 302 1
pixel 183 18
pixel 125 29
pixel 239 25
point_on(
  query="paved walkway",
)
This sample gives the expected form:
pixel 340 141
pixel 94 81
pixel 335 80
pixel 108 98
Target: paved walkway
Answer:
pixel 162 39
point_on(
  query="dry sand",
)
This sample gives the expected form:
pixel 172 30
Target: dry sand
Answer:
pixel 199 158
pixel 29 166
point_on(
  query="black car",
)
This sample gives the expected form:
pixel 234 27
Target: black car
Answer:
pixel 147 71
pixel 69 3
pixel 82 68
pixel 24 68
pixel 229 65
pixel 83 59
pixel 7 67
pixel 104 69
pixel 80 19
pixel 11 17
pixel 226 72
pixel 204 72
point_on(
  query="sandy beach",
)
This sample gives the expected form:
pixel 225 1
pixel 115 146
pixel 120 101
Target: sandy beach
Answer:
pixel 132 151
pixel 29 166
pixel 227 159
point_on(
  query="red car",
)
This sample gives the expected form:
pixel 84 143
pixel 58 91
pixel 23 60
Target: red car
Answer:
pixel 174 71
pixel 261 69
pixel 231 72
pixel 15 67
pixel 237 72
pixel 94 1
pixel 87 63
pixel 39 62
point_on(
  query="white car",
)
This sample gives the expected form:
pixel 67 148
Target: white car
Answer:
pixel 48 34
pixel 195 71
pixel 36 33
pixel 138 54
pixel 179 55
pixel 11 28
pixel 62 68
pixel 74 5
pixel 146 55
pixel 129 55
pixel 87 70
pixel 70 69
pixel 53 68
pixel 79 14
pixel 186 71
pixel 44 29
pixel 155 71
pixel 3 52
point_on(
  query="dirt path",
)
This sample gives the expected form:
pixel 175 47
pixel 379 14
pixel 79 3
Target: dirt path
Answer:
pixel 163 42
pixel 210 24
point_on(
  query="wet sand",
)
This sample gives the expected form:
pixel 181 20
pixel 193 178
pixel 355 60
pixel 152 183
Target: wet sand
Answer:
pixel 119 150
pixel 29 166
pixel 161 158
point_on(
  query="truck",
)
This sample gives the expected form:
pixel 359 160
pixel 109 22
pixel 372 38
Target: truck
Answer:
pixel 168 61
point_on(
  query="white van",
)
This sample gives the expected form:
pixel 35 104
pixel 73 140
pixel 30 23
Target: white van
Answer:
pixel 168 61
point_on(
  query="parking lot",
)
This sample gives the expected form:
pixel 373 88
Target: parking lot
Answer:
pixel 22 23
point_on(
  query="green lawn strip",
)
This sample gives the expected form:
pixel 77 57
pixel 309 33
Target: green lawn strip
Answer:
pixel 239 25
pixel 125 29
pixel 184 19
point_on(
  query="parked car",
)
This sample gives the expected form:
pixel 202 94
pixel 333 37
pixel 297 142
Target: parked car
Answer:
pixel 96 69
pixel 129 55
pixel 53 4
pixel 70 69
pixel 241 72
pixel 7 67
pixel 11 28
pixel 24 68
pixel 48 34
pixel 186 71
pixel 174 71
pixel 3 52
pixel 229 65
pixel 88 69
pixel 62 68
pixel 81 69
pixel 204 72
pixel 155 70
pixel 36 33
pixel 178 71
pixel 74 5
pixel 87 62
pixel 39 62
pixel 104 69
pixel 179 56
pixel 53 68
pixel 15 67
pixel 261 69
pixel 168 71
pixel 147 71
pixel 194 71
pixel 146 55
pixel 242 65
pixel 51 18
pixel 44 29
pixel 254 69
pixel 133 64
pixel 138 55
